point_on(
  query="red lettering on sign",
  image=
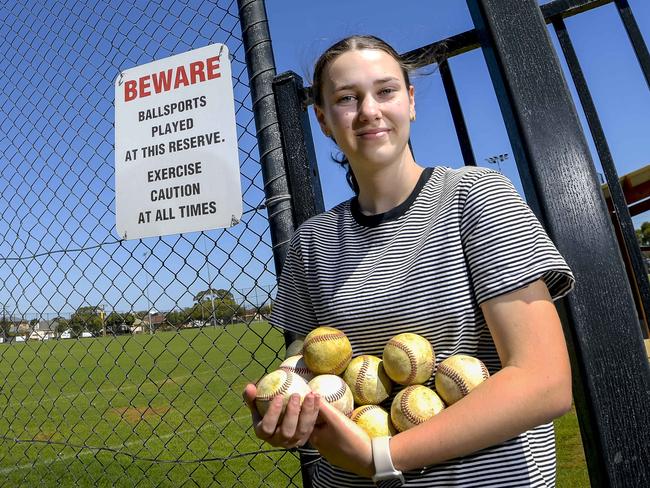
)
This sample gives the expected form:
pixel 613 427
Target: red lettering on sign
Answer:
pixel 196 71
pixel 164 81
pixel 213 67
pixel 130 90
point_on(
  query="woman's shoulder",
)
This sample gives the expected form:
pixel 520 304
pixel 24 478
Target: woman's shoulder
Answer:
pixel 324 223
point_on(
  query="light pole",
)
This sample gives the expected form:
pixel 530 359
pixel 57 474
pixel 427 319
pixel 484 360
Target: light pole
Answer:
pixel 498 159
pixel 146 292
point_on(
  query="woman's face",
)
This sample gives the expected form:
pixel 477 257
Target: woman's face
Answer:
pixel 367 107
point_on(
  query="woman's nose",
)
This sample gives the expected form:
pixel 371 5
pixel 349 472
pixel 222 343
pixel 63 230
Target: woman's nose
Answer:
pixel 369 108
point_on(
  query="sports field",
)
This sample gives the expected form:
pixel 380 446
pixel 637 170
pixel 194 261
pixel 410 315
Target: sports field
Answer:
pixel 168 396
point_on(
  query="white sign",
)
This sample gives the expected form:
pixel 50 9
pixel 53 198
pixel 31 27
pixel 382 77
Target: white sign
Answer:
pixel 176 157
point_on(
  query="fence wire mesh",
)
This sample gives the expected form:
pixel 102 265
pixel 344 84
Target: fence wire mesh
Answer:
pixel 123 362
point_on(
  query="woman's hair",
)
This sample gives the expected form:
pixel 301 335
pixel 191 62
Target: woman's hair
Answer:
pixel 351 43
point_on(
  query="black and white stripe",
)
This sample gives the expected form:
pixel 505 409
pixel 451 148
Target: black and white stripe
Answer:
pixel 463 237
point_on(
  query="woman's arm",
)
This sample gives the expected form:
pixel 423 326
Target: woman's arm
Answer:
pixel 533 387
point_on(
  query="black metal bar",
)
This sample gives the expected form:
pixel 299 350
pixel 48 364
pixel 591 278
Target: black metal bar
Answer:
pixel 457 114
pixel 260 64
pixel 633 32
pixel 569 8
pixel 468 40
pixel 611 371
pixel 298 147
pixel 617 197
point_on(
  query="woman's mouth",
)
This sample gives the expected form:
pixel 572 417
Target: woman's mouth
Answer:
pixel 372 133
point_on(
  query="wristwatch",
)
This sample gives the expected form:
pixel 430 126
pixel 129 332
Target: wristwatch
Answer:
pixel 386 476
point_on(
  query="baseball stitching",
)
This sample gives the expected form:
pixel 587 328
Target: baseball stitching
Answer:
pixel 406 410
pixel 321 338
pixel 295 369
pixel 281 391
pixel 455 377
pixel 358 385
pixel 337 395
pixel 363 410
pixel 412 359
pixel 484 370
pixel 344 361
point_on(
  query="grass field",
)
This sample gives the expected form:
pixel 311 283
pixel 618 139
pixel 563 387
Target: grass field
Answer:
pixel 170 396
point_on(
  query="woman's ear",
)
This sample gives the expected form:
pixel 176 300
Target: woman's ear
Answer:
pixel 320 116
pixel 412 102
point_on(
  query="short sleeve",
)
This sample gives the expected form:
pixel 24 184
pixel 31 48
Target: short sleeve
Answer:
pixel 505 246
pixel 292 309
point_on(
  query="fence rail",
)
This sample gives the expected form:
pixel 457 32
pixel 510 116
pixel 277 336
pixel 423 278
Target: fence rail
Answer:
pixel 122 360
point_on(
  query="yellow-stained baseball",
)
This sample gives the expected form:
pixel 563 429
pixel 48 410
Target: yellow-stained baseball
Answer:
pixel 335 391
pixel 296 364
pixel 409 359
pixel 457 375
pixel 367 379
pixel 295 348
pixel 414 405
pixel 327 350
pixel 279 382
pixel 374 420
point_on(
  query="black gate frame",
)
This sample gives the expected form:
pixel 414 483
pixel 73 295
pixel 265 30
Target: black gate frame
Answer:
pixel 610 368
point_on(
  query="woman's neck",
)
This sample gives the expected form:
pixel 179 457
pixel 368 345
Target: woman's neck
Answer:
pixel 385 188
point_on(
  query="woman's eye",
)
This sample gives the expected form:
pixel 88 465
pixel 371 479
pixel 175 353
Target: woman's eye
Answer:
pixel 387 91
pixel 346 98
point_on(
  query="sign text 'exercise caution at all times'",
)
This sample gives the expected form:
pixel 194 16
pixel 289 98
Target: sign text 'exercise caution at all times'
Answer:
pixel 176 159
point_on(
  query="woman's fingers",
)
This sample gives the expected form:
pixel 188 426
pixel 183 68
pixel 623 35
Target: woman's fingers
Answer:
pixel 289 429
pixel 268 425
pixel 308 415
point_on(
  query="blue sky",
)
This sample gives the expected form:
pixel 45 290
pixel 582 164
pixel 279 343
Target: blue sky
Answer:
pixel 616 82
pixel 59 61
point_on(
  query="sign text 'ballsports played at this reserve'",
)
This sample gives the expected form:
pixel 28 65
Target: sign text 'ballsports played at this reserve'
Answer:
pixel 176 158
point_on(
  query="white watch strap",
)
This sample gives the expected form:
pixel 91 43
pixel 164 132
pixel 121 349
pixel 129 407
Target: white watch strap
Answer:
pixel 384 468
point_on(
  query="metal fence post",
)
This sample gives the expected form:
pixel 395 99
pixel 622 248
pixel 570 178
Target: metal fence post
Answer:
pixel 261 71
pixel 302 170
pixel 612 375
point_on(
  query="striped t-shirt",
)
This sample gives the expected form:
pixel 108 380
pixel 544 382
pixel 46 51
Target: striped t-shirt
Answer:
pixel 462 237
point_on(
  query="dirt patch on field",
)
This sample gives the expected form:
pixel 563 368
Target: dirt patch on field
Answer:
pixel 135 414
pixel 44 436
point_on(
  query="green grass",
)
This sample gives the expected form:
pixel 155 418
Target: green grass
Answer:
pixel 571 465
pixel 170 396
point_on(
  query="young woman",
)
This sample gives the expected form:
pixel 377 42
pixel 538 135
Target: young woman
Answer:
pixel 454 255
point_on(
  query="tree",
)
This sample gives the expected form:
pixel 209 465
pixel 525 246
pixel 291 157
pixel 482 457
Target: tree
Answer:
pixel 85 319
pixel 643 234
pixel 5 326
pixel 219 305
pixel 60 325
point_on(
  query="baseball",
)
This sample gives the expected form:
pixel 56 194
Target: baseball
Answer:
pixel 413 405
pixel 367 379
pixel 458 375
pixel 279 382
pixel 327 350
pixel 294 349
pixel 335 391
pixel 409 359
pixel 374 420
pixel 296 364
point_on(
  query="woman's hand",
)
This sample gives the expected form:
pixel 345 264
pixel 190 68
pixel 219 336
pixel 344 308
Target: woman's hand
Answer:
pixel 289 430
pixel 342 442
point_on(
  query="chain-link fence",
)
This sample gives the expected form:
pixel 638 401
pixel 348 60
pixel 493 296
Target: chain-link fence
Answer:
pixel 123 362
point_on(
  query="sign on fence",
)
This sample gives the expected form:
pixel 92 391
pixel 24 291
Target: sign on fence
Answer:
pixel 176 159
